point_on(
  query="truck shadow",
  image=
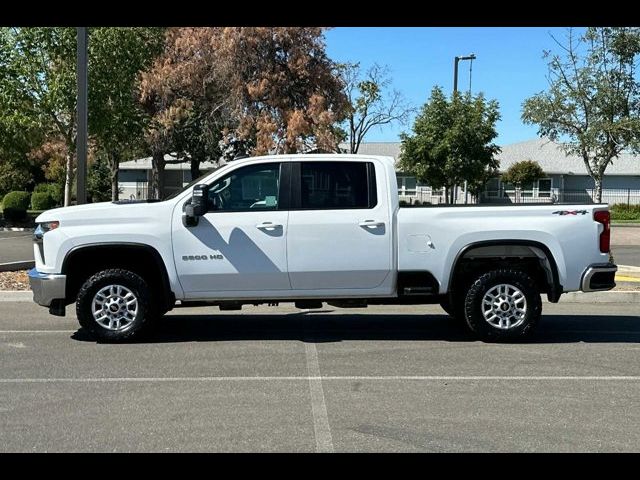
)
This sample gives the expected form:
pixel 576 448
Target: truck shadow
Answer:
pixel 318 327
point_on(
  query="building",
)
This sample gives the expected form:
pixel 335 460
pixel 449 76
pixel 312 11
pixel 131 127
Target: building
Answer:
pixel 566 181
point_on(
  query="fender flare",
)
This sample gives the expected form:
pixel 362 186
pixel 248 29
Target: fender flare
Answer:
pixel 553 279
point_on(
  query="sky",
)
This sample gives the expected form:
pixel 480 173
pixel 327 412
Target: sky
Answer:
pixel 508 68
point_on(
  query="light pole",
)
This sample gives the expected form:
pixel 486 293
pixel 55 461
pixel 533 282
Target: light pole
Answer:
pixel 81 116
pixel 471 57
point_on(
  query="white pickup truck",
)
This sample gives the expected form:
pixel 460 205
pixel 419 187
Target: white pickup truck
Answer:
pixel 310 229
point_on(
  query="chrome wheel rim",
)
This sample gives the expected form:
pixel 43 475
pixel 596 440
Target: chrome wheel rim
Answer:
pixel 504 306
pixel 114 307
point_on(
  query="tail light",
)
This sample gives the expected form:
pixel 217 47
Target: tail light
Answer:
pixel 603 217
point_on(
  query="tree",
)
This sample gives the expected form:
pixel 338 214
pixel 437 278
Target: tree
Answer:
pixel 452 141
pixel 99 180
pixel 116 119
pixel 184 94
pixel 38 84
pixel 523 173
pixel 592 105
pixel 287 92
pixel 371 102
pixel 264 89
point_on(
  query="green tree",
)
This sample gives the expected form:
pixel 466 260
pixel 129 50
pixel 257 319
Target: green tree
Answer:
pixel 372 102
pixel 592 105
pixel 116 120
pixel 452 141
pixel 99 180
pixel 523 173
pixel 38 87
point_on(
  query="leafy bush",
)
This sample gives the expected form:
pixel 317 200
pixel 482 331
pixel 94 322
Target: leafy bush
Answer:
pixel 12 177
pixel 55 191
pixel 621 211
pixel 42 201
pixel 15 205
pixel 523 173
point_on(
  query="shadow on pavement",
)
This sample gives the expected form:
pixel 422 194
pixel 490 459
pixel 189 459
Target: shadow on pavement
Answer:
pixel 320 327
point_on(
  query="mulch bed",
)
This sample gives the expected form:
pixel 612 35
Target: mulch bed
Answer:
pixel 14 280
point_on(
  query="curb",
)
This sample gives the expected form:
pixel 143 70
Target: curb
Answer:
pixel 630 225
pixel 16 229
pixel 619 297
pixel 15 266
pixel 16 296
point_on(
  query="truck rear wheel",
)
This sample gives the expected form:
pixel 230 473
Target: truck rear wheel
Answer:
pixel 503 305
pixel 114 305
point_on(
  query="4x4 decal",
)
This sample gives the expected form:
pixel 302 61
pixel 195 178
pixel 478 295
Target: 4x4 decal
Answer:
pixel 569 212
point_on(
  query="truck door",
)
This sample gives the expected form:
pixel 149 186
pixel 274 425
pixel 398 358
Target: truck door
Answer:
pixel 340 228
pixel 240 244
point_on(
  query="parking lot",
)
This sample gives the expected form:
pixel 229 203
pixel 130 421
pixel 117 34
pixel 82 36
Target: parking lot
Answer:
pixel 279 379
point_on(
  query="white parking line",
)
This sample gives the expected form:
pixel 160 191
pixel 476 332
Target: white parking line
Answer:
pixel 38 331
pixel 324 441
pixel 490 378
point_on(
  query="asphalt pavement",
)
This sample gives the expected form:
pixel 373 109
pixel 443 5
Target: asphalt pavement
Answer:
pixel 16 246
pixel 387 378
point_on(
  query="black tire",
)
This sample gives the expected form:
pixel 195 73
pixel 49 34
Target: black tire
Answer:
pixel 489 280
pixel 144 315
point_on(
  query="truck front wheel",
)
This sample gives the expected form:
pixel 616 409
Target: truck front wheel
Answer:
pixel 114 305
pixel 503 304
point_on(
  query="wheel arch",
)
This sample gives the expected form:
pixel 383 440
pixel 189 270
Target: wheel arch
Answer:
pixel 138 257
pixel 544 255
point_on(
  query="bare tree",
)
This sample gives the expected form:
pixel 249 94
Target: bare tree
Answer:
pixel 372 102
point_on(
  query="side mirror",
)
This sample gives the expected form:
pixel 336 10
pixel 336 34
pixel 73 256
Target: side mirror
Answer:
pixel 198 206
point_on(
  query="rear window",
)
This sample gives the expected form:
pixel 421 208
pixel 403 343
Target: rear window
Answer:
pixel 337 185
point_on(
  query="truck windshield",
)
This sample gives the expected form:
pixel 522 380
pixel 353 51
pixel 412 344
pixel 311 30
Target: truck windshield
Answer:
pixel 193 182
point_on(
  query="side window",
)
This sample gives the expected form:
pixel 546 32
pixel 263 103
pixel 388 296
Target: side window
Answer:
pixel 336 185
pixel 250 188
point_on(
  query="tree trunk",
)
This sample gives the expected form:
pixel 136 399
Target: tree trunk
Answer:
pixel 195 167
pixel 157 175
pixel 598 189
pixel 114 167
pixel 68 178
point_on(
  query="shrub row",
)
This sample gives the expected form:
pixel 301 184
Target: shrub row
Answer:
pixel 621 211
pixel 15 204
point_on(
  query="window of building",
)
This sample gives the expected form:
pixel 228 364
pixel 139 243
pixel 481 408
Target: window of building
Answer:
pixel 544 187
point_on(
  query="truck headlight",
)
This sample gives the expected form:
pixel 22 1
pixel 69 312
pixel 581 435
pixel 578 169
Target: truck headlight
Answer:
pixel 45 227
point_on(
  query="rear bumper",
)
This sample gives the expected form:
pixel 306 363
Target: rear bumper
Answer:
pixel 47 287
pixel 598 277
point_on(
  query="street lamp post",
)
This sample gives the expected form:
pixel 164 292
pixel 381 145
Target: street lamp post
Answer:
pixel 81 116
pixel 471 57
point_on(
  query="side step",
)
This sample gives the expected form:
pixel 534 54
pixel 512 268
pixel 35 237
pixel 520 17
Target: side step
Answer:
pixel 409 291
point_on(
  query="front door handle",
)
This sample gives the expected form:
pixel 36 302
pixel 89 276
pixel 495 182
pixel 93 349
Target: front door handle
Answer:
pixel 268 226
pixel 371 223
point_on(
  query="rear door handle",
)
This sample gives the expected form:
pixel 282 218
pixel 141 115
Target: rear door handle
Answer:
pixel 268 226
pixel 371 223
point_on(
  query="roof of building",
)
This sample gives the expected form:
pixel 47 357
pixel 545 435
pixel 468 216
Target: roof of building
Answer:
pixel 145 164
pixel 553 159
pixel 548 154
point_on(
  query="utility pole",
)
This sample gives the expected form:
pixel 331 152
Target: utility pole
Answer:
pixel 81 115
pixel 471 57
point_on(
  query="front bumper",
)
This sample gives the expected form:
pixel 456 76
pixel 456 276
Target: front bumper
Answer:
pixel 598 277
pixel 47 287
